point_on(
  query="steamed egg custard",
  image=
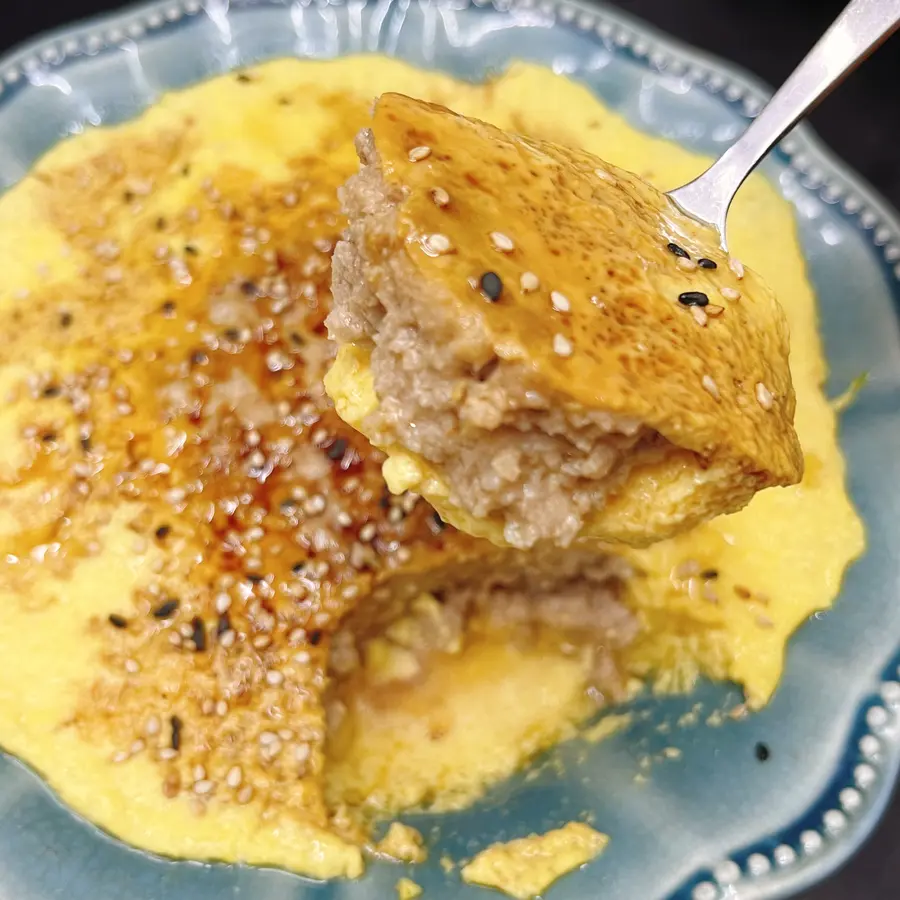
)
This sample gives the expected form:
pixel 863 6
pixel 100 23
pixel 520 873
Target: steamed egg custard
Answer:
pixel 224 637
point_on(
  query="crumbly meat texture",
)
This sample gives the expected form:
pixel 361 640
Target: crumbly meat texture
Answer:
pixel 544 345
pixel 505 447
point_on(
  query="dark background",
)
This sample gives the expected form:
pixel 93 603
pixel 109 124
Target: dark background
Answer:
pixel 861 122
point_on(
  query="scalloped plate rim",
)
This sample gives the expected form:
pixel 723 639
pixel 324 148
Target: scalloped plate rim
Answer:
pixel 836 853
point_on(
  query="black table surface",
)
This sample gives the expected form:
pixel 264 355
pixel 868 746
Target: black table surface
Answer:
pixel 861 122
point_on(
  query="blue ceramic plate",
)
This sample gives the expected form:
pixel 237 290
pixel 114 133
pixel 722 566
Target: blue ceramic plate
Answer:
pixel 715 823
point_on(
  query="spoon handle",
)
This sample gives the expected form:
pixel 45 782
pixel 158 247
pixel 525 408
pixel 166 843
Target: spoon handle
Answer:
pixel 856 33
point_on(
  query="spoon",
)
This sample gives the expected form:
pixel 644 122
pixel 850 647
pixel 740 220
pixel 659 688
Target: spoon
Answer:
pixel 858 31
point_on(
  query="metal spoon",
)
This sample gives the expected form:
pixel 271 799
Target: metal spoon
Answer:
pixel 857 32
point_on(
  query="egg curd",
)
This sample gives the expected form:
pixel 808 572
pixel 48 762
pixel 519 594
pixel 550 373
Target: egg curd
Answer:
pixel 189 531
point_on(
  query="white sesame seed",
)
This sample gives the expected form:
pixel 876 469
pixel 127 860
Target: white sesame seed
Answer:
pixel 529 282
pixel 137 746
pixel 302 752
pixel 199 773
pixel 120 756
pixel 710 386
pixel 562 346
pixel 713 310
pixel 501 242
pixel 234 777
pixel 274 677
pixel 168 753
pixel 344 519
pixel 208 706
pixel 736 266
pixel 245 795
pixel 699 315
pixel 603 175
pixel 221 708
pixel 437 244
pixel 132 667
pixel 204 786
pixel 315 505
pixel 687 264
pixel 730 293
pixel 223 603
pixel 764 396
pixel 417 154
pixel 226 639
pixel 267 737
pixel 367 532
pixel 560 302
pixel 152 726
pixel 440 197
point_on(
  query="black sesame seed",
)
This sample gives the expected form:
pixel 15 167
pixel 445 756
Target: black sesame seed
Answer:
pixel 385 501
pixel 165 610
pixel 168 308
pixel 86 444
pixel 163 531
pixel 48 437
pixel 118 621
pixel 762 751
pixel 128 196
pixel 243 78
pixel 710 574
pixel 315 637
pixel 232 334
pixel 223 625
pixel 65 319
pixel 177 726
pixel 52 391
pixel 706 263
pixel 198 358
pixel 253 578
pixel 337 450
pixel 298 567
pixel 439 523
pixel 198 635
pixel 249 289
pixel 288 505
pixel 491 286
pixel 297 339
pixel 678 251
pixel 693 298
pixel 191 250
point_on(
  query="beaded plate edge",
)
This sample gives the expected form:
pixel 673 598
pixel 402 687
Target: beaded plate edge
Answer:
pixel 833 828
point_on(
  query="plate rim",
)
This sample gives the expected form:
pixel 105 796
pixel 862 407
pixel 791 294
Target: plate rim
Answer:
pixel 822 172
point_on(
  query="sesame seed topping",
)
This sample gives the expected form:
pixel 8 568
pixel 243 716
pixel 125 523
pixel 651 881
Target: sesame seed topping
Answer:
pixel 165 610
pixel 437 244
pixel 417 154
pixel 603 175
pixel 529 282
pixel 118 621
pixel 204 786
pixel 501 242
pixel 705 263
pixel 274 677
pixel 234 777
pixel 562 346
pixel 710 386
pixel 560 302
pixel 736 266
pixel 687 264
pixel 730 293
pixel 680 252
pixel 764 396
pixel 714 310
pixel 491 286
pixel 440 197
pixel 693 298
pixel 699 315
